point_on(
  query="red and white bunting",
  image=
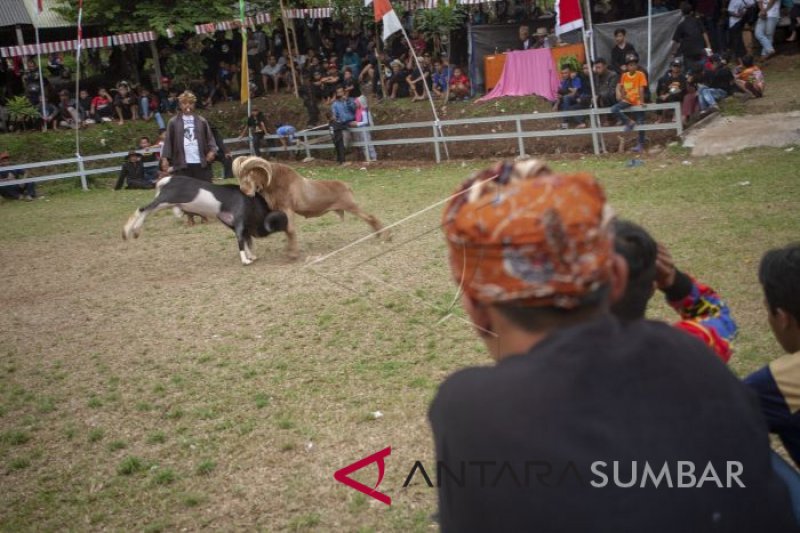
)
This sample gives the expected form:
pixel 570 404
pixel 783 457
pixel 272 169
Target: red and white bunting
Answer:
pixel 310 13
pixel 411 5
pixel 135 37
pixel 250 22
pixel 54 47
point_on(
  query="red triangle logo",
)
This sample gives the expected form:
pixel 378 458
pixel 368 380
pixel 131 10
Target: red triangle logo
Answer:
pixel 342 476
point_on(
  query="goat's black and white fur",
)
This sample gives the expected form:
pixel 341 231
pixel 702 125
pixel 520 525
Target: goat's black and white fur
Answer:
pixel 247 217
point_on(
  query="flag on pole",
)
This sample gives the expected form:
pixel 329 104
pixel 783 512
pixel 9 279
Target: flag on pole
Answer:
pixel 367 2
pixel 39 5
pixel 80 23
pixel 244 89
pixel 384 12
pixel 568 16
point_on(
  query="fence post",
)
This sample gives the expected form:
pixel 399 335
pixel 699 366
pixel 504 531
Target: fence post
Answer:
pixel 593 125
pixel 82 170
pixel 520 140
pixel 366 147
pixel 305 144
pixel 678 119
pixel 436 145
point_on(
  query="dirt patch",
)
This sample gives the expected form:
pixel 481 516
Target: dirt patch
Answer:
pixel 725 135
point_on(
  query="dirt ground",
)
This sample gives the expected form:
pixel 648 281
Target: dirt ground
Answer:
pixel 725 135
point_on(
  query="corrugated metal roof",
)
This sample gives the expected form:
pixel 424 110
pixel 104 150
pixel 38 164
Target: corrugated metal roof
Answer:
pixel 47 18
pixel 13 12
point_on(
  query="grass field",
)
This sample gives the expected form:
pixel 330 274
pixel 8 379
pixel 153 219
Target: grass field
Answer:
pixel 158 385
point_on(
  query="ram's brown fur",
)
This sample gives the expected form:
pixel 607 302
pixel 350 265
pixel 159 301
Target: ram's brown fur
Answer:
pixel 286 190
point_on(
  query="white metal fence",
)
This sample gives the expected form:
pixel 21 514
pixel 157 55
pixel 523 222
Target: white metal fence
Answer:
pixel 433 134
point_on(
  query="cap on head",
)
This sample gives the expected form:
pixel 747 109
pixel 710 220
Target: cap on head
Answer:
pixel 676 63
pixel 631 58
pixel 520 234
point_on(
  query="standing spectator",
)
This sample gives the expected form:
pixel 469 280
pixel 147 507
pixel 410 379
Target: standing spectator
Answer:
pixel 794 21
pixel 769 12
pixel 125 103
pixel 343 112
pixel 605 82
pixel 572 389
pixel 750 78
pixel 223 155
pixel 459 85
pixel 630 93
pixel 690 39
pixel 737 18
pixel 102 109
pixel 255 47
pixel 132 174
pixel 364 120
pixel 189 146
pixel 256 126
pixel 163 94
pixel 352 61
pixel 350 84
pixel 25 192
pixel 621 50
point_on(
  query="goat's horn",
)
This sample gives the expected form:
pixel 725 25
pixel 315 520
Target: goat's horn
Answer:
pixel 251 163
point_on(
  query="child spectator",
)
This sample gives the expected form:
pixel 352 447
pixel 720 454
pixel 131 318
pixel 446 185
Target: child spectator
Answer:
pixel 67 111
pixel 364 120
pixel 125 103
pixel 85 107
pixel 439 79
pixel 102 110
pixel 149 156
pixel 750 78
pixel 459 85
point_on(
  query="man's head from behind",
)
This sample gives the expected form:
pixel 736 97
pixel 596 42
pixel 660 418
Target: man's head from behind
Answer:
pixel 532 252
pixel 779 275
pixel 640 251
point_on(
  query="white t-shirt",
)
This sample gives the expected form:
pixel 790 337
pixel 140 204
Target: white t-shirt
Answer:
pixel 775 10
pixel 190 148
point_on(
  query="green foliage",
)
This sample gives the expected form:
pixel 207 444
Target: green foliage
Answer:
pixel 20 109
pixel 444 19
pixel 571 61
pixel 186 67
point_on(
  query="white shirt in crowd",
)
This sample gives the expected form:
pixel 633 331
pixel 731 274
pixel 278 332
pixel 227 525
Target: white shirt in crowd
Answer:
pixel 190 148
pixel 774 11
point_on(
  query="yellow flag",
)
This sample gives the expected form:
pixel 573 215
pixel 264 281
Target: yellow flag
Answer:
pixel 245 75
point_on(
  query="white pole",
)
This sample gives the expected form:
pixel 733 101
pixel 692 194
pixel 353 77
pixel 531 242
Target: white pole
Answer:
pixel 649 35
pixel 427 90
pixel 42 98
pixel 77 98
pixel 589 58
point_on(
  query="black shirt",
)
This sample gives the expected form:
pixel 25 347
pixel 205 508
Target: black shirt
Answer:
pixel 689 34
pixel 603 391
pixel 618 56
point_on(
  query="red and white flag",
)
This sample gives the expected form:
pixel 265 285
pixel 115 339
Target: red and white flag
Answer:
pixel 384 12
pixel 568 16
pixel 39 5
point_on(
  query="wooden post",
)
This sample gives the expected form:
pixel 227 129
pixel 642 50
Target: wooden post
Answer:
pixel 289 45
pixel 156 63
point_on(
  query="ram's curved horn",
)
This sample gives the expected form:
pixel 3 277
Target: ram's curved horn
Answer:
pixel 245 165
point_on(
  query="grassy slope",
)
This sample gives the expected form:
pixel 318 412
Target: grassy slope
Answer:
pixel 239 391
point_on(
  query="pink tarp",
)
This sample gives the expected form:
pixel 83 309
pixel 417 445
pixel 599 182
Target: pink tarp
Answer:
pixel 527 72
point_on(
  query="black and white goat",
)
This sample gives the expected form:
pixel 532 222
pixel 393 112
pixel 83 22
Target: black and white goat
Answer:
pixel 247 217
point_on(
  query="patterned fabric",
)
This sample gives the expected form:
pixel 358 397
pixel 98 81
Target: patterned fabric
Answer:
pixel 89 42
pixel 706 316
pixel 518 233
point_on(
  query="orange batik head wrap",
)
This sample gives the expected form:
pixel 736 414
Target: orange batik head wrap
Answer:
pixel 520 234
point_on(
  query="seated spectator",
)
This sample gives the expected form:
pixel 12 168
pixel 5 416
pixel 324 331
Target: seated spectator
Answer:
pixel 459 85
pixel 605 83
pixel 148 106
pixel 85 107
pixel 350 84
pixel 417 80
pixel 67 111
pixel 718 84
pixel 540 39
pixel 172 102
pixel 571 93
pixel 272 72
pixel 750 78
pixel 102 109
pixel 25 192
pixel 671 86
pixel 51 116
pixel 418 42
pixel 287 133
pixel 703 313
pixel 440 78
pixel 630 93
pixel 778 383
pixel 125 103
pixel 397 85
pixel 132 173
pixel 364 120
pixel 573 390
pixel 149 155
pixel 351 60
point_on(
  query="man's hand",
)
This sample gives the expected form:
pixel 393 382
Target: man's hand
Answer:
pixel 210 156
pixel 665 268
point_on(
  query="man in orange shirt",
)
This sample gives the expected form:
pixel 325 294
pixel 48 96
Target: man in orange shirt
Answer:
pixel 630 92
